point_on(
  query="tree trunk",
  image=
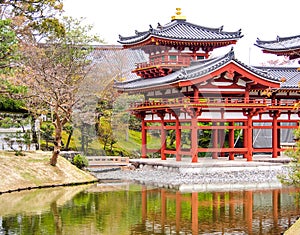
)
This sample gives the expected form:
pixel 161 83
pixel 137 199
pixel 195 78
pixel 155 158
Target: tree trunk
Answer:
pixel 34 133
pixel 57 144
pixel 82 138
pixel 69 140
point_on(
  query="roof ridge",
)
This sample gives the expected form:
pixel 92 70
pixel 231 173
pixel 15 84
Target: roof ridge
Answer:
pixel 209 63
pixel 278 39
pixel 175 22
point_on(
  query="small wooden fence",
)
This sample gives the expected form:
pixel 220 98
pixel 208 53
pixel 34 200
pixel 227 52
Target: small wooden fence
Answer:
pixel 107 161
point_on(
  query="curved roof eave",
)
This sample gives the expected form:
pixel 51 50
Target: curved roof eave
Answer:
pixel 281 44
pixel 280 50
pixel 230 58
pixel 199 72
pixel 258 73
pixel 278 39
pixel 184 31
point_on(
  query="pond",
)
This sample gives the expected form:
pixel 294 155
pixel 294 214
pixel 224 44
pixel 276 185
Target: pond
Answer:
pixel 116 208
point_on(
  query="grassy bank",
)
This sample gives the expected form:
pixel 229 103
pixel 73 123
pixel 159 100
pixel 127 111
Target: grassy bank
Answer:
pixel 34 170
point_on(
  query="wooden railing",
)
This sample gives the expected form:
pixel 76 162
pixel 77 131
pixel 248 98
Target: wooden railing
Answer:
pixel 213 101
pixel 182 62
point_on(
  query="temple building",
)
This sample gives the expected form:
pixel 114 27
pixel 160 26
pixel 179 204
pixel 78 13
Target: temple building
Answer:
pixel 282 46
pixel 208 106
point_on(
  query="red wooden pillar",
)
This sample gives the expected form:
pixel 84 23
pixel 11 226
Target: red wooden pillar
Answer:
pixel 231 140
pixel 215 141
pixel 249 137
pixel 194 138
pixel 206 54
pixel 194 126
pixel 245 139
pixel 196 94
pixel 278 137
pixel 194 113
pixel 275 136
pixel 247 93
pixel 163 136
pixel 144 138
pixel 163 142
pixel 221 137
pixel 178 140
pixel 194 56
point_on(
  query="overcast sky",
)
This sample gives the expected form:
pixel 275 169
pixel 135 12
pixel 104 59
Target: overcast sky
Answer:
pixel 263 19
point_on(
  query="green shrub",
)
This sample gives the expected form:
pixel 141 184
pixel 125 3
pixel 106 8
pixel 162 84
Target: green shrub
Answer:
pixel 80 161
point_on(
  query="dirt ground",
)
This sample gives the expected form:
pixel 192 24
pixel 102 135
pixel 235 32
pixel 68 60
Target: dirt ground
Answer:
pixel 34 170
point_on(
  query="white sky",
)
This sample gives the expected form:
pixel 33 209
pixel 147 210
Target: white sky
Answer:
pixel 264 19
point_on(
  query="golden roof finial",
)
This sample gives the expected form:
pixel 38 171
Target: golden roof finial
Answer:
pixel 178 15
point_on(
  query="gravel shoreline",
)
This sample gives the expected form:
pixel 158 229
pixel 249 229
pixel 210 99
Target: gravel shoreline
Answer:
pixel 220 176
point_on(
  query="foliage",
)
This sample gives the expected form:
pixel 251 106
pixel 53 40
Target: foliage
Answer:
pixel 297 104
pixel 293 177
pixel 18 142
pixel 47 131
pixel 8 46
pixel 9 120
pixel 33 19
pixel 8 57
pixel 80 161
pixel 19 21
pixel 106 133
pixel 68 128
pixel 21 139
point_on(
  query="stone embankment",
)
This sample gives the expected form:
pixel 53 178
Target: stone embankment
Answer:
pixel 210 175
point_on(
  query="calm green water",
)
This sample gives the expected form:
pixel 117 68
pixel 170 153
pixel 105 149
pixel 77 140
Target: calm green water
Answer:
pixel 123 208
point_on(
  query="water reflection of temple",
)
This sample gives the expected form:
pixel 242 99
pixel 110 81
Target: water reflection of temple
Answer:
pixel 245 212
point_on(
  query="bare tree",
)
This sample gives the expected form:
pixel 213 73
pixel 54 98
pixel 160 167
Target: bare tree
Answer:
pixel 54 71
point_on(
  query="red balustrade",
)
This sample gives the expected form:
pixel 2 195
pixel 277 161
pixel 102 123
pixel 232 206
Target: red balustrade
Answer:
pixel 211 101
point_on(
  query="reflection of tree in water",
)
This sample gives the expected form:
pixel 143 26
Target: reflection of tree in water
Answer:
pixel 57 218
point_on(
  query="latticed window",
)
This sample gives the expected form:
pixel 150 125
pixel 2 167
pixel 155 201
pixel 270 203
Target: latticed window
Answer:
pixel 172 57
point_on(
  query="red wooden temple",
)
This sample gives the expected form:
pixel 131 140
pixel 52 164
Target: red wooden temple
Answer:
pixel 187 92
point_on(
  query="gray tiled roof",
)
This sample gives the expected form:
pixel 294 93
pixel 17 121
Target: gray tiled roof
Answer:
pixel 182 30
pixel 280 44
pixel 292 75
pixel 197 69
